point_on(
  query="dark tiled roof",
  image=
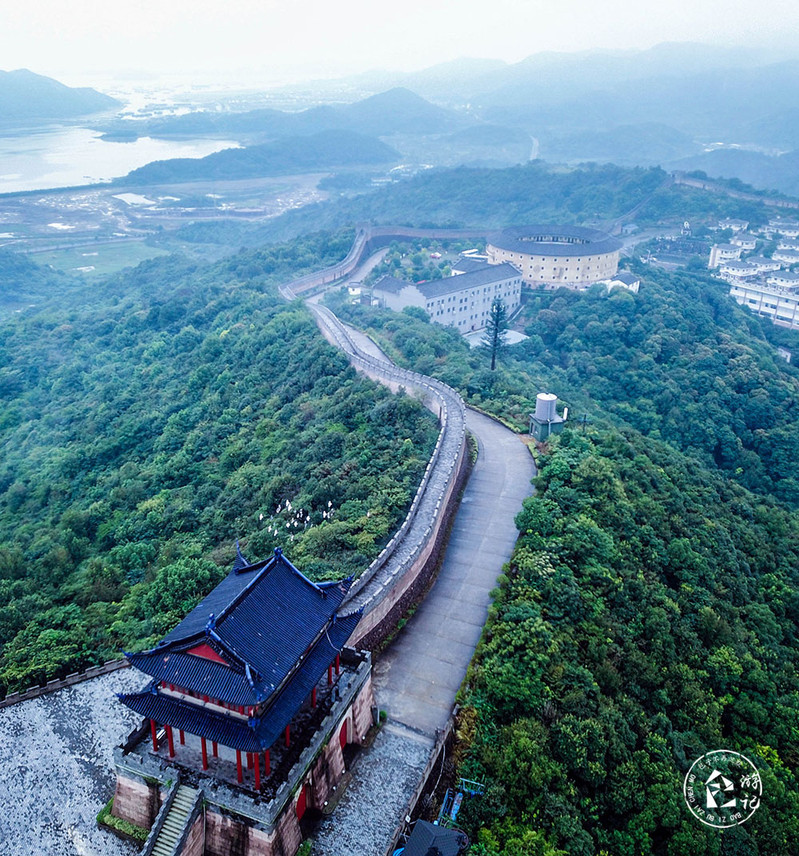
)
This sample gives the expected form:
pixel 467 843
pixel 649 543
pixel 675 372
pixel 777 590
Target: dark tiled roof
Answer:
pixel 228 683
pixel 487 275
pixel 428 838
pixel 257 733
pixel 467 265
pixel 392 284
pixel 265 618
pixel 545 241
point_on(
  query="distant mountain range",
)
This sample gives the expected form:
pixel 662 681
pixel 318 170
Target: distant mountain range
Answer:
pixel 25 96
pixel 397 111
pixel 670 105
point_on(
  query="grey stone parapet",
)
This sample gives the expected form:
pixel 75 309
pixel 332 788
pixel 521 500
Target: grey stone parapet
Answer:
pixel 430 502
pixel 68 681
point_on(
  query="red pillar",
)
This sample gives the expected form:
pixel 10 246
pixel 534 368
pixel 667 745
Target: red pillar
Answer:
pixel 239 771
pixel 330 675
pixel 267 763
pixel 205 753
pixel 249 760
pixel 338 664
pixel 313 697
pixel 182 737
pixel 288 735
pixel 170 741
pixel 257 771
pixel 215 748
pixel 154 734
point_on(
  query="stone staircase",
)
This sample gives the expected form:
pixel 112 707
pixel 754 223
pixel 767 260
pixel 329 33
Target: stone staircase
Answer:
pixel 178 817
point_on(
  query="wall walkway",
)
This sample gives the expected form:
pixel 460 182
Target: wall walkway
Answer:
pixel 417 678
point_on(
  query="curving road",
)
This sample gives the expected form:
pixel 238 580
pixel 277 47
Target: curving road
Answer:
pixel 417 678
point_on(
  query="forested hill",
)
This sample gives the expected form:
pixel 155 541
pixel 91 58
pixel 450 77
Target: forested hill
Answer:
pixel 650 613
pixel 23 282
pixel 25 96
pixel 480 197
pixel 316 152
pixel 186 407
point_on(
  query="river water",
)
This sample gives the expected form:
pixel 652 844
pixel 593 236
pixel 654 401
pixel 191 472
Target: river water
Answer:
pixel 61 156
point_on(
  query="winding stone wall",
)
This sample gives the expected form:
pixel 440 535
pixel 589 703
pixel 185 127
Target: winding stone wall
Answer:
pixel 399 575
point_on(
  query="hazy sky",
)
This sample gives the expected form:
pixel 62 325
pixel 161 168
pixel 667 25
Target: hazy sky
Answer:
pixel 70 38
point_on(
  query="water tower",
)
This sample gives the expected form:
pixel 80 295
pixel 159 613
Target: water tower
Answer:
pixel 545 420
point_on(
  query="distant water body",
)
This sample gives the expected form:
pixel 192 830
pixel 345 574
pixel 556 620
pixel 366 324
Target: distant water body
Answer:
pixel 59 156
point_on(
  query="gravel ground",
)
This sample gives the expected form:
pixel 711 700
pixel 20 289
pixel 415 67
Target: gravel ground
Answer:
pixel 57 771
pixel 383 781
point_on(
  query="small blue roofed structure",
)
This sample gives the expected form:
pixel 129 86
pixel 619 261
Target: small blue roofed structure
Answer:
pixel 427 839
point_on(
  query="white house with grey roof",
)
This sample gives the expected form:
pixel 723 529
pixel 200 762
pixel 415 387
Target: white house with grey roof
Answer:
pixel 462 300
pixel 721 253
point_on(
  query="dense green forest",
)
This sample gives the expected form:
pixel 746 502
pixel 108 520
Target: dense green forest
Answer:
pixel 680 361
pixel 23 282
pixel 315 152
pixel 536 192
pixel 650 613
pixel 150 422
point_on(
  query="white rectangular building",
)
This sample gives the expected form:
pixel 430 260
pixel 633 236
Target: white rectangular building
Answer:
pixel 780 303
pixel 462 301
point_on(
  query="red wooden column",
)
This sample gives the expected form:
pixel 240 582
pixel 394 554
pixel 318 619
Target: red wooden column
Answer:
pixel 182 737
pixel 239 771
pixel 267 763
pixel 170 741
pixel 214 749
pixel 338 664
pixel 154 734
pixel 288 735
pixel 249 760
pixel 257 770
pixel 330 675
pixel 205 753
pixel 313 697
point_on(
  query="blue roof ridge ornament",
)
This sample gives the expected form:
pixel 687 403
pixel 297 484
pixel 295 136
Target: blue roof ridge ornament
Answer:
pixel 298 572
pixel 226 647
pixel 240 564
pixel 248 673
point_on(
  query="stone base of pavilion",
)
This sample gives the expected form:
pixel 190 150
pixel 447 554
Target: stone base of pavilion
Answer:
pixel 238 817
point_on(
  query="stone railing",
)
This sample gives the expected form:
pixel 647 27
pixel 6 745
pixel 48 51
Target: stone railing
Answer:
pixel 368 239
pixel 158 823
pixel 379 589
pixel 68 681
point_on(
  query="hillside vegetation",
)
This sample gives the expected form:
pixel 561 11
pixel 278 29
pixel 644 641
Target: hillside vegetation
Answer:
pixel 322 151
pixel 650 611
pixel 536 192
pixel 649 615
pixel 186 408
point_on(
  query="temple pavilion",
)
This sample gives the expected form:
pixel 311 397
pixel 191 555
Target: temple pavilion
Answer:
pixel 242 663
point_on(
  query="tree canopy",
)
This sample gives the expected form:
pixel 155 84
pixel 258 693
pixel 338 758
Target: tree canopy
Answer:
pixel 185 407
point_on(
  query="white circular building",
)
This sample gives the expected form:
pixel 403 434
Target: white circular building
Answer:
pixel 553 256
